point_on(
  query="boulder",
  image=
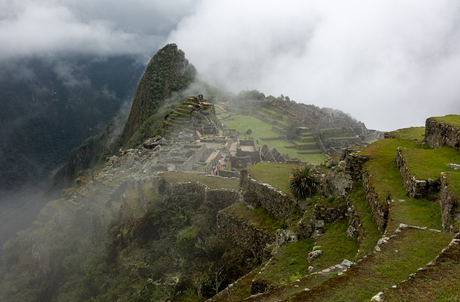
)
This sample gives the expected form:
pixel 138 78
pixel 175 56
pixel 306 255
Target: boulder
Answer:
pixel 314 255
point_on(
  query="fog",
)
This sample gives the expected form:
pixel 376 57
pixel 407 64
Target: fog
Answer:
pixel 390 64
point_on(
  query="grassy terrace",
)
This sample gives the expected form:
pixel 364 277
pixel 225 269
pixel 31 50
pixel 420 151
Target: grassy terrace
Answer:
pixel 402 256
pixel 386 177
pixel 388 184
pixel 262 129
pixel 413 134
pixel 211 181
pixel 451 119
pixel 336 246
pixel 436 283
pixel 275 174
pixel 429 163
pixel 258 217
pixel 288 264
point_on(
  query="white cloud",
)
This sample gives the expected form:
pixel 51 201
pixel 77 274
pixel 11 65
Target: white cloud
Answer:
pixel 390 64
pixel 52 27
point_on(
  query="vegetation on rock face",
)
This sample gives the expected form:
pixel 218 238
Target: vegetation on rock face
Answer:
pixel 303 182
pixel 160 90
pixel 167 72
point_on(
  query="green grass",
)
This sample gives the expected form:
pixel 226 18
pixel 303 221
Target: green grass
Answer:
pixel 382 166
pixel 429 163
pixel 258 218
pixel 451 119
pixel 262 129
pixel 336 246
pixel 402 256
pixel 436 283
pixel 288 264
pixel 210 181
pixel 370 232
pixel 275 174
pixel 416 212
pixel 413 133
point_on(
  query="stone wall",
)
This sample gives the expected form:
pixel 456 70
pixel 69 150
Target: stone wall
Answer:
pixel 449 203
pixel 313 225
pixel 220 197
pixel 353 162
pixel 264 195
pixel 378 208
pixel 242 234
pixel 439 134
pixel 415 188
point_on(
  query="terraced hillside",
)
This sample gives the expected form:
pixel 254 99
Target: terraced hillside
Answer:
pixel 133 232
pixel 416 232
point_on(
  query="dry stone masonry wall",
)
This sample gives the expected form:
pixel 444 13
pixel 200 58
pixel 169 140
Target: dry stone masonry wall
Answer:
pixel 242 234
pixel 449 204
pixel 264 195
pixel 415 188
pixel 378 208
pixel 439 134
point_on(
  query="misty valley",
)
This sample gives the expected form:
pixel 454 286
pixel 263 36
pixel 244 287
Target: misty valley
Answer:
pixel 199 194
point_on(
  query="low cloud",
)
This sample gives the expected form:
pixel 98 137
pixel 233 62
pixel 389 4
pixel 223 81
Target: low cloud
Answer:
pixel 390 64
pixel 54 28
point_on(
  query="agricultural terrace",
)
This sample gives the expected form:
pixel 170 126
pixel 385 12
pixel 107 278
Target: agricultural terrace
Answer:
pixel 261 129
pixel 212 182
pixel 274 174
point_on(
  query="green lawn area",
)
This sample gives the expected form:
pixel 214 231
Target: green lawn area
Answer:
pixel 275 174
pixel 211 181
pixel 412 133
pixel 417 212
pixel 429 163
pixel 452 119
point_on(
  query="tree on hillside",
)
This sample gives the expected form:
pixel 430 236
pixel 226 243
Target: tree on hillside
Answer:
pixel 303 183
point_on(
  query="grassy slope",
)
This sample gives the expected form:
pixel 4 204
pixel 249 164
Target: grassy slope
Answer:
pixel 403 255
pixel 388 184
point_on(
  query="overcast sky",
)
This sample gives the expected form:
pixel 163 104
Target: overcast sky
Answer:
pixel 389 63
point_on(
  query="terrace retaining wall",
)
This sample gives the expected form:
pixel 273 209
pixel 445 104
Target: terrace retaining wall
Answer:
pixel 211 197
pixel 264 195
pixel 378 208
pixel 415 188
pixel 242 234
pixel 449 203
pixel 353 163
pixel 439 134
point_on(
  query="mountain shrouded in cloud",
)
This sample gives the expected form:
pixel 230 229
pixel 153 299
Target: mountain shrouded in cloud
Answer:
pixel 397 59
pixel 390 64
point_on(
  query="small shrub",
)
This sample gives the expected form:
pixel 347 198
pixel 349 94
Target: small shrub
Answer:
pixel 303 183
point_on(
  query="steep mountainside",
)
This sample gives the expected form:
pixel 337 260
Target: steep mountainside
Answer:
pixel 50 106
pixel 167 73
